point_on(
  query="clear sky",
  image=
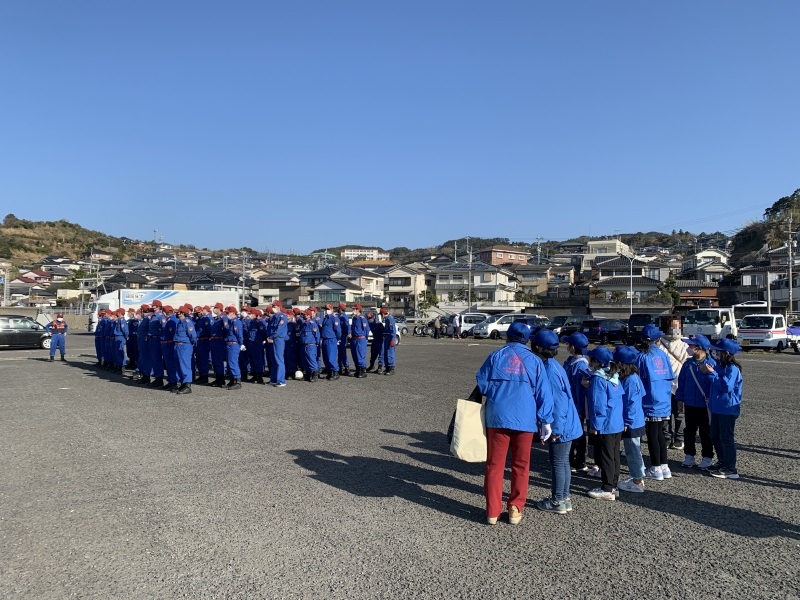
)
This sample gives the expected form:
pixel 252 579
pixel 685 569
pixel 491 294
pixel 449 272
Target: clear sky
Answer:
pixel 297 125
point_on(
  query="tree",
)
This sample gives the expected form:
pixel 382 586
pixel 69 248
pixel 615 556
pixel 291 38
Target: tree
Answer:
pixel 427 299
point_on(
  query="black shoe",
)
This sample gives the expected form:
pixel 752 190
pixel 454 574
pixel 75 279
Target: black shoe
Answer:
pixel 360 374
pixel 676 446
pixel 63 359
pixel 235 384
pixel 186 388
pixel 370 367
pixel 335 375
pixel 389 371
pixel 144 380
pixel 379 370
pixel 52 358
pixel 218 382
pixel 157 382
pixel 172 386
pixel 202 379
pixel 344 371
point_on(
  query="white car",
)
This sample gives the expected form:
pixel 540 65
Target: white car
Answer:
pixel 496 326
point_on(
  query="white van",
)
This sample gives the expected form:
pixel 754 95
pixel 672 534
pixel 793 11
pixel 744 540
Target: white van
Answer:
pixel 468 321
pixel 496 326
pixel 763 331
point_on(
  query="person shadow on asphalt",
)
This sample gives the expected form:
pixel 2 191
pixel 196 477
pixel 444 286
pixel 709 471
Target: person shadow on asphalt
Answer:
pixel 371 477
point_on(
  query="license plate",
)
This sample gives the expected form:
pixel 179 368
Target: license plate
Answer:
pixel 745 342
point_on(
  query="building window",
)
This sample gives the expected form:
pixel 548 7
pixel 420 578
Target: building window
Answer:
pixel 400 281
pixel 499 255
pixel 458 278
pixel 487 276
pixel 511 257
pixel 443 278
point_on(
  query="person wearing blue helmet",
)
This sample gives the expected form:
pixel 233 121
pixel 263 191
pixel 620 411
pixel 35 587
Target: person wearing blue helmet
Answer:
pixel 632 416
pixel 694 390
pixel 726 403
pixel 605 419
pixel 518 403
pixel 576 367
pixel 656 373
pixel 566 424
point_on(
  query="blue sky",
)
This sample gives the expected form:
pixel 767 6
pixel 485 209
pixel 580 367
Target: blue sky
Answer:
pixel 292 126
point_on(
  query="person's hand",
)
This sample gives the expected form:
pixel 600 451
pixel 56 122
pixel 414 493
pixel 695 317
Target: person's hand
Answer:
pixel 270 341
pixel 585 383
pixel 391 343
pixel 545 431
pixel 242 347
pixel 594 432
pixel 626 428
pixel 706 368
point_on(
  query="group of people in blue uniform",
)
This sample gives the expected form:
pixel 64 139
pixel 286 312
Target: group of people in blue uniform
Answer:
pixel 188 345
pixel 604 397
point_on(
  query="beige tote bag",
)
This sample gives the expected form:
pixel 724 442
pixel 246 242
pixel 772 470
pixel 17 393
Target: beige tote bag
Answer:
pixel 469 432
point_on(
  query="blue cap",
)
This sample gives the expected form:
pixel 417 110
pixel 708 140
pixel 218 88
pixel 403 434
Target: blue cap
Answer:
pixel 697 340
pixel 546 338
pixel 577 340
pixel 518 332
pixel 625 354
pixel 651 332
pixel 727 345
pixel 602 355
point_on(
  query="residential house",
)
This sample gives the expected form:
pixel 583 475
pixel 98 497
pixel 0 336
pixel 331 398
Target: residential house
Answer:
pixel 364 254
pixel 370 282
pixel 402 288
pixel 333 291
pixel 99 254
pixel 489 285
pixel 283 285
pixel 707 265
pixel 38 275
pixel 500 254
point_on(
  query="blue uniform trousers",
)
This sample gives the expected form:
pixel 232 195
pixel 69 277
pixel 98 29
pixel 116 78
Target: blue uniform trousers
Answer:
pixel 330 354
pixel 183 361
pixel 232 356
pixel 132 348
pixel 256 352
pixel 290 357
pixel 170 362
pixel 58 342
pixel 119 351
pixel 376 351
pixel 244 362
pixel 343 362
pixel 98 347
pixel 203 354
pixel 218 356
pixel 277 370
pixel 108 349
pixel 143 362
pixel 156 358
pixel 388 352
pixel 310 357
pixel 358 348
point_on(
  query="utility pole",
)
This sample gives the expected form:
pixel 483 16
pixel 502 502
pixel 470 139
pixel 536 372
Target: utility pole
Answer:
pixel 791 282
pixel 469 278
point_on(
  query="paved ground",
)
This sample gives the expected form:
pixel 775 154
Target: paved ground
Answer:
pixel 346 490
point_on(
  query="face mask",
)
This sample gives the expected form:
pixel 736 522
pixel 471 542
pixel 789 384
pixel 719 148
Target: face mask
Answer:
pixel 59 319
pixel 328 312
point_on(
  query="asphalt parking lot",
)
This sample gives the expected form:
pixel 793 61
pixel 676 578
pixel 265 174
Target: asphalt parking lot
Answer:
pixel 346 490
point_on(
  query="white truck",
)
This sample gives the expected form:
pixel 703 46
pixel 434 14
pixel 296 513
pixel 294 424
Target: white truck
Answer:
pixel 133 298
pixel 765 331
pixel 714 323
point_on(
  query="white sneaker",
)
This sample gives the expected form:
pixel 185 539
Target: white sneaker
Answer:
pixel 654 473
pixel 705 463
pixel 666 473
pixel 629 486
pixel 600 494
pixel 688 461
pixel 594 472
pixel 514 515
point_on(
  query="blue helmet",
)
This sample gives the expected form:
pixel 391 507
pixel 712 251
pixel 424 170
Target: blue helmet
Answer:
pixel 576 340
pixel 546 338
pixel 651 332
pixel 727 345
pixel 625 354
pixel 602 355
pixel 518 332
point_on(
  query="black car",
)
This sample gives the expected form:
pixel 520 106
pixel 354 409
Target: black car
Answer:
pixel 604 330
pixel 17 331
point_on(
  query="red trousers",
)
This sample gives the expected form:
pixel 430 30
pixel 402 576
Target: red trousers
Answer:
pixel 497 444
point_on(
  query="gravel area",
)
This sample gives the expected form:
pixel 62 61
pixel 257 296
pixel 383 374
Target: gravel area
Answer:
pixel 346 490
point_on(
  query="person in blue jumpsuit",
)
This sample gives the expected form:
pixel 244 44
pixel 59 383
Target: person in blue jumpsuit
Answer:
pixel 132 346
pixel 233 332
pixel 359 332
pixel 389 340
pixel 276 339
pixel 290 350
pixel 256 337
pixel 217 340
pixel 309 341
pixel 143 339
pixel 168 347
pixel 58 330
pixel 157 322
pixel 108 341
pixel 120 340
pixel 318 319
pixel 244 357
pixel 203 349
pixel 98 336
pixel 184 339
pixel 330 331
pixel 376 349
pixel 344 323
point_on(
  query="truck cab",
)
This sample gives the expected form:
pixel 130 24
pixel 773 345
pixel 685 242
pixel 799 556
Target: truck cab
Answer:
pixel 764 331
pixel 714 323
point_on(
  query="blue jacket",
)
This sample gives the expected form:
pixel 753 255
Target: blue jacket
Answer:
pixel 156 321
pixel 574 366
pixel 203 327
pixel 185 331
pixel 632 393
pixel 169 328
pixel 144 326
pixel 309 332
pixel 656 373
pixel 330 328
pixel 389 326
pixel 726 391
pixel 687 391
pixel 233 331
pixel 57 328
pixel 518 395
pixel 566 423
pixel 359 326
pixel 120 328
pixel 280 327
pixel 217 327
pixel 605 403
pixel 344 323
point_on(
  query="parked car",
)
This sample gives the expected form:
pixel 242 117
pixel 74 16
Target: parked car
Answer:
pixel 468 321
pixel 18 331
pixel 636 323
pixel 396 339
pixel 497 328
pixel 574 321
pixel 604 330
pixel 402 324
